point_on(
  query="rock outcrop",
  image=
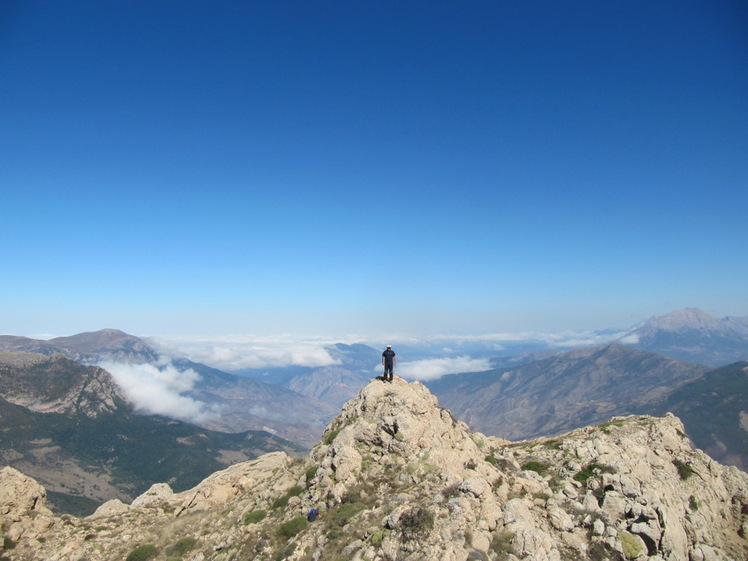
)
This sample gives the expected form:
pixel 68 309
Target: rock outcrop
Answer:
pixel 396 477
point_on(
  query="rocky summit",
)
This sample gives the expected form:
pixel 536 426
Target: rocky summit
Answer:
pixel 396 477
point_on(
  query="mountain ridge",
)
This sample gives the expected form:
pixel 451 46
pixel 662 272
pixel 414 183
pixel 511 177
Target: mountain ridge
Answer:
pixel 397 478
pixel 565 391
pixel 88 347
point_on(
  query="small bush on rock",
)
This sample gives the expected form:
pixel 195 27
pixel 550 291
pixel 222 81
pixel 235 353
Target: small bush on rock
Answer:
pixel 310 475
pixel 292 527
pixel 533 465
pixel 286 552
pixel 584 474
pixel 345 512
pixel 142 552
pixel 253 517
pixel 501 545
pixel 330 436
pixel 684 470
pixel 416 522
pixel 180 548
pixel 295 491
pixel 281 502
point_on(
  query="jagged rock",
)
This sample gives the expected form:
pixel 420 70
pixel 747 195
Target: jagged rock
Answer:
pixel 20 495
pixel 110 508
pixel 23 506
pixel 397 478
pixel 156 495
pixel 269 472
pixel 560 519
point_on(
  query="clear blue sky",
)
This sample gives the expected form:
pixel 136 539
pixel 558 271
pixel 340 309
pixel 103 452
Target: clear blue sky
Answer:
pixel 370 167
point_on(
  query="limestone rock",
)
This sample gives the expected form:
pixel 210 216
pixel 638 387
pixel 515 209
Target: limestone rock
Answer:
pixel 110 508
pixel 156 495
pixel 396 477
pixel 20 495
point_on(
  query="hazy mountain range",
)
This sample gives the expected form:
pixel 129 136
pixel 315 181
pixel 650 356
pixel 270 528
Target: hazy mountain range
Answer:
pixel 576 388
pixel 187 390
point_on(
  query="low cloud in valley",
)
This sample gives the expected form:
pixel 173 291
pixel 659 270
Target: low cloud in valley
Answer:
pixel 158 389
pixel 434 368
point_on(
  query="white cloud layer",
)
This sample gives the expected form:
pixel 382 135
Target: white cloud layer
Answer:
pixel 434 368
pixel 631 339
pixel 157 389
pixel 232 353
pixel 441 353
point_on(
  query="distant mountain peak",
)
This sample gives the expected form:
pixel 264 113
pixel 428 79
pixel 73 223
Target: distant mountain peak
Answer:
pixel 690 318
pixel 89 347
pixel 692 334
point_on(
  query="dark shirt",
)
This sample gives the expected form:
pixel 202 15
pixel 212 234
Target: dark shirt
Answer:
pixel 389 356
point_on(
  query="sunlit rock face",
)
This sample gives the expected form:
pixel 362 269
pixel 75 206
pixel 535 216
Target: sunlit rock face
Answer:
pixel 396 477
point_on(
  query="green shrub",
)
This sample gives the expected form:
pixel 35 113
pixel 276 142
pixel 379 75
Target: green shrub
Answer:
pixel 292 527
pixel 416 522
pixel 343 514
pixel 585 473
pixel 376 538
pixel 693 503
pixel 492 460
pixel 286 552
pixel 142 552
pixel 330 436
pixel 684 470
pixel 295 491
pixel 180 547
pixel 535 466
pixel 253 517
pixel 281 502
pixel 451 491
pixel 310 475
pixel 351 496
pixel 501 545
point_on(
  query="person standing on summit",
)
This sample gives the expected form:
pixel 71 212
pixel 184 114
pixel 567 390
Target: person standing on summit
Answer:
pixel 389 361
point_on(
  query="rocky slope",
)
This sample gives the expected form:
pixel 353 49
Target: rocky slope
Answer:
pixel 57 385
pixel 396 477
pixel 714 410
